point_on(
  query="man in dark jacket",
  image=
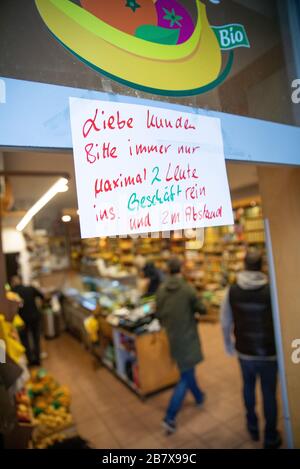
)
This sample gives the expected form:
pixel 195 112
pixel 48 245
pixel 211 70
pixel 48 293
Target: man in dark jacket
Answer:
pixel 31 317
pixel 152 274
pixel 177 304
pixel 246 313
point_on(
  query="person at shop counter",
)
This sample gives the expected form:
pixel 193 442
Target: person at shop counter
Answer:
pixel 177 303
pixel 246 313
pixel 150 276
pixel 32 318
pixel 153 278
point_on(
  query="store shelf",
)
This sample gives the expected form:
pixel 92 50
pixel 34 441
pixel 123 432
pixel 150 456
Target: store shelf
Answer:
pixel 218 261
pixel 128 382
pixel 107 363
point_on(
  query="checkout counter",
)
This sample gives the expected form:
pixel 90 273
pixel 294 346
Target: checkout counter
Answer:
pixel 129 340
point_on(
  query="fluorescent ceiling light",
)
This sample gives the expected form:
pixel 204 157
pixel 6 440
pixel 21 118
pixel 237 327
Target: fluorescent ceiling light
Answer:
pixel 60 186
pixel 66 218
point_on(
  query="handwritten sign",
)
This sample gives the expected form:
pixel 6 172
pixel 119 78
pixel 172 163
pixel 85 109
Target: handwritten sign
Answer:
pixel 147 169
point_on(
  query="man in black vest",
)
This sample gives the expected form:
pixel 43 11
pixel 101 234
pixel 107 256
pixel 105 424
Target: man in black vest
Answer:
pixel 246 314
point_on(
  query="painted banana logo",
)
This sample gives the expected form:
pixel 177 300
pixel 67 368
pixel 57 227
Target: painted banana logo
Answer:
pixel 164 58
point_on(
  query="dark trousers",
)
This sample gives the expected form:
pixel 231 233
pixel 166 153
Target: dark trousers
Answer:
pixel 266 370
pixel 30 338
pixel 187 382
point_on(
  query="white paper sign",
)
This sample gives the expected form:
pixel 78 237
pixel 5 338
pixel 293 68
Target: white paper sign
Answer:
pixel 147 169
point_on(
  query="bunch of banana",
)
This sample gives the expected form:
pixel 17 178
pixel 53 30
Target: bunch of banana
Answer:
pixel 54 422
pixel 12 296
pixel 50 440
pixel 62 397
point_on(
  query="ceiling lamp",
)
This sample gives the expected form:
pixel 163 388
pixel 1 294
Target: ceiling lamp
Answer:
pixel 60 186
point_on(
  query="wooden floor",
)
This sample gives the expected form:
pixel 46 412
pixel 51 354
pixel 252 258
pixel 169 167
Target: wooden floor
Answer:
pixel 110 416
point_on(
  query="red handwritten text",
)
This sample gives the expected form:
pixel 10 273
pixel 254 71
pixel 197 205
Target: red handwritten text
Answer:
pixel 156 122
pixel 191 214
pixel 139 149
pixel 140 222
pixel 195 192
pixel 180 174
pixel 108 185
pixel 112 122
pixel 93 154
pixel 106 214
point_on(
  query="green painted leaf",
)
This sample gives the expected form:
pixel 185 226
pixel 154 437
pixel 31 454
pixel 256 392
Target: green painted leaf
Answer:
pixel 152 33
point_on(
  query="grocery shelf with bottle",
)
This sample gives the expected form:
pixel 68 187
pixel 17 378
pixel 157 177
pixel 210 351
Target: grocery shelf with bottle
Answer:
pixel 215 266
pixel 38 247
pixel 210 268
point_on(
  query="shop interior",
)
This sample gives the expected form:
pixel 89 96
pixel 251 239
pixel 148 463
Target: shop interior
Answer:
pixel 106 373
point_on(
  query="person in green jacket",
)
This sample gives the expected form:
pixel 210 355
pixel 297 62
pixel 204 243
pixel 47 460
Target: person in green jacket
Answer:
pixel 177 303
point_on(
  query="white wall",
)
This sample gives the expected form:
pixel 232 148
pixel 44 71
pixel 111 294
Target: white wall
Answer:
pixel 13 241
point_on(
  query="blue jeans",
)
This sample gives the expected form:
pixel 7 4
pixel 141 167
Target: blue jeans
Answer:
pixel 187 382
pixel 266 370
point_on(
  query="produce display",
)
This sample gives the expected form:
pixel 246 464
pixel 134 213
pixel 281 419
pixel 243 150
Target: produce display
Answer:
pixel 50 440
pixel 92 326
pixel 9 335
pixel 14 301
pixel 12 296
pixel 42 405
pixel 23 405
pixel 50 403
